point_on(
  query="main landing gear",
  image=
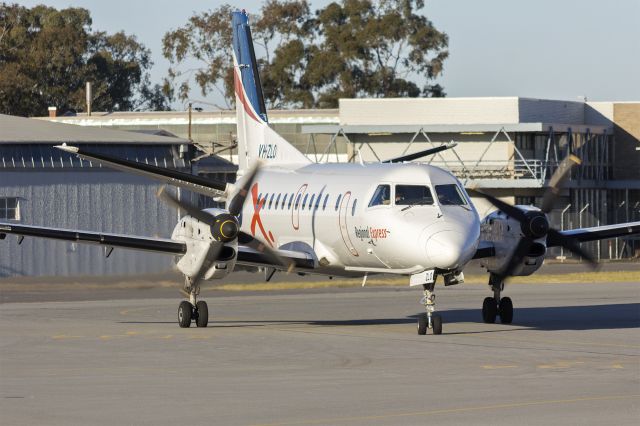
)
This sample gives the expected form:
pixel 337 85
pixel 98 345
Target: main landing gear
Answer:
pixel 495 306
pixel 192 309
pixel 429 319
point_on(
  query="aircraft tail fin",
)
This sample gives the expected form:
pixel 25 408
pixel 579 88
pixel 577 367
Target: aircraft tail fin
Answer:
pixel 256 140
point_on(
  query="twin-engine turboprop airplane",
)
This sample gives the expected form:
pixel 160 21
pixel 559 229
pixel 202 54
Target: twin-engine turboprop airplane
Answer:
pixel 349 220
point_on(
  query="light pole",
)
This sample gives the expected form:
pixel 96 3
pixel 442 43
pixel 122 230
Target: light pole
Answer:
pixel 562 229
pixel 580 217
pixel 618 220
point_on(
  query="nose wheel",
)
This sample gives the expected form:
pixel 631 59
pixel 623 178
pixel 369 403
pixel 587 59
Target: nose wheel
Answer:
pixel 429 319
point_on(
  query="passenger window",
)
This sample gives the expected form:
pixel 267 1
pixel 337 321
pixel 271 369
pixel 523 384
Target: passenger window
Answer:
pixel 284 201
pixel 318 201
pixel 338 201
pixel 324 205
pixel 353 208
pixel 297 201
pixel 271 200
pixel 413 195
pixel 382 196
pixel 311 201
pixel 259 198
pixel 304 201
pixel 275 206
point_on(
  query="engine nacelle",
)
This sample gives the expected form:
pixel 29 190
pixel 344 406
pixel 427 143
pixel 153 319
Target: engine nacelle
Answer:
pixel 198 237
pixel 505 233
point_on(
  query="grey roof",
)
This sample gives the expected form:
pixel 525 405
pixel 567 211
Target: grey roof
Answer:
pixel 20 130
pixel 450 128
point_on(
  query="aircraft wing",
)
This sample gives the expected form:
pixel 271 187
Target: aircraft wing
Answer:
pixel 597 233
pixel 162 245
pixel 485 249
pixel 188 181
pixel 247 256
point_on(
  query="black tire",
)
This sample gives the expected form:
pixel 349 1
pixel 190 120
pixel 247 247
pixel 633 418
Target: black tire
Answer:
pixel 506 310
pixel 422 324
pixel 489 310
pixel 202 312
pixel 185 311
pixel 436 323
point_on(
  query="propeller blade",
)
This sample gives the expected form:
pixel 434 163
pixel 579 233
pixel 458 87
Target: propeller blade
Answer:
pixel 235 206
pixel 268 252
pixel 517 257
pixel 574 247
pixel 507 209
pixel 556 181
pixel 192 210
pixel 211 256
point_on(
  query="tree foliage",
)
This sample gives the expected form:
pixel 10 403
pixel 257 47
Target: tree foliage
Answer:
pixel 48 55
pixel 350 48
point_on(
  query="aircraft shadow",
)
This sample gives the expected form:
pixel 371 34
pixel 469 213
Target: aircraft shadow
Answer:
pixel 587 317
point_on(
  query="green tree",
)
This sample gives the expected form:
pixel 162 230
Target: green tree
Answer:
pixel 48 55
pixel 351 48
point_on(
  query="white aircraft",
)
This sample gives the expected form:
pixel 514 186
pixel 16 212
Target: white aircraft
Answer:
pixel 349 220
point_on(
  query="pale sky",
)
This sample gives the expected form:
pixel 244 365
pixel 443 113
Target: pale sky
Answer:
pixel 557 49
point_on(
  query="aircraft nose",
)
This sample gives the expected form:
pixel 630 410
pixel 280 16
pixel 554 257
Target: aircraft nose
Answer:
pixel 448 249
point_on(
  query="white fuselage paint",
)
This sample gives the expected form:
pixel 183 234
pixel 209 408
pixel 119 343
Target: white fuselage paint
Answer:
pixel 348 240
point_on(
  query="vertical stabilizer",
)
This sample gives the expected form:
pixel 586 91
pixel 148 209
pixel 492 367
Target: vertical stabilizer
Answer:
pixel 256 140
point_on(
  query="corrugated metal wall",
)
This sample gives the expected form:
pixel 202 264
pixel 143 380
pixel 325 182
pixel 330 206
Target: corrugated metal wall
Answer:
pixel 90 199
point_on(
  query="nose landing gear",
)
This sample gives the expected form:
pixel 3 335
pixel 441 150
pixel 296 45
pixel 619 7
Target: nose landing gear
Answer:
pixel 429 319
pixel 495 306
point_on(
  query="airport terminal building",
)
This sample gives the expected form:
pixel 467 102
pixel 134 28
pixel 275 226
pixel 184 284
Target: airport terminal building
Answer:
pixel 507 146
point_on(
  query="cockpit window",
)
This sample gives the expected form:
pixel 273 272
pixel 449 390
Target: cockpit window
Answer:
pixel 408 195
pixel 382 196
pixel 450 195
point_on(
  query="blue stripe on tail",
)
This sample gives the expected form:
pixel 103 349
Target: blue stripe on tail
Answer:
pixel 246 58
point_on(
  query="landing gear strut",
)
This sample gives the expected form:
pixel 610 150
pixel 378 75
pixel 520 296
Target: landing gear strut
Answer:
pixel 192 309
pixel 496 305
pixel 429 319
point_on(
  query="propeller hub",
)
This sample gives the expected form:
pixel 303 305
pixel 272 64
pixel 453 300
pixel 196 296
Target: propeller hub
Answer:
pixel 537 225
pixel 225 228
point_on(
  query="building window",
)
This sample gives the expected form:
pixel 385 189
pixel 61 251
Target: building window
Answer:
pixel 9 208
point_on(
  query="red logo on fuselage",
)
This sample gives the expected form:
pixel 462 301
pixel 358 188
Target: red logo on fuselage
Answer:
pixel 256 219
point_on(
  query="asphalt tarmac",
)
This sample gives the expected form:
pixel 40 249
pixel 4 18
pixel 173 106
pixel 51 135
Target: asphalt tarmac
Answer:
pixel 338 357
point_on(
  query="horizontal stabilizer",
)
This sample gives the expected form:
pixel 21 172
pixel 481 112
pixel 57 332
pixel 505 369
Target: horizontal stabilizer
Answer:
pixel 420 154
pixel 188 181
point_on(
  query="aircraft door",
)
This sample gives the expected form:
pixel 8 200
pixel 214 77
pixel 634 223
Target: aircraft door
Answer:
pixel 342 219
